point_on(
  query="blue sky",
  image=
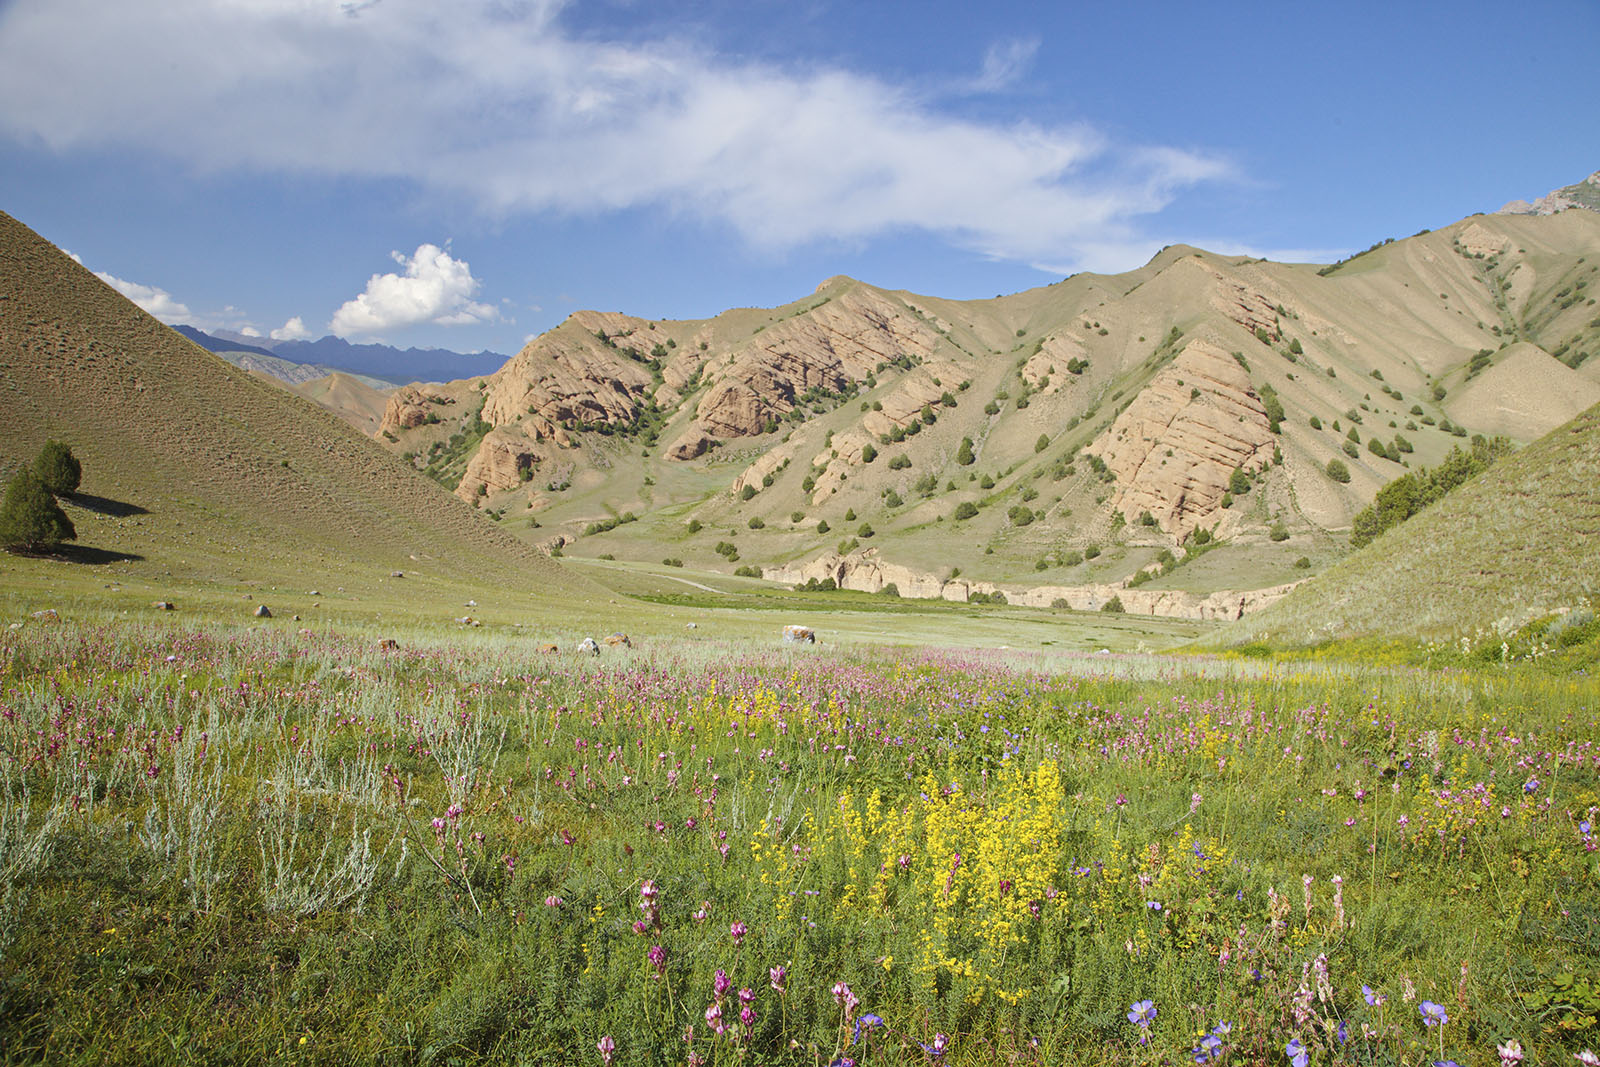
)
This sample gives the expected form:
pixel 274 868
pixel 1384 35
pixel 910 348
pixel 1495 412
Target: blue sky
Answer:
pixel 466 174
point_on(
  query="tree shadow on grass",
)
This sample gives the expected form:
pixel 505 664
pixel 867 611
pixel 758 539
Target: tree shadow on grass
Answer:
pixel 100 505
pixel 80 554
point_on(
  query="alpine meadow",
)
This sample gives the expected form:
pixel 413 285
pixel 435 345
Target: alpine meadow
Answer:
pixel 1186 656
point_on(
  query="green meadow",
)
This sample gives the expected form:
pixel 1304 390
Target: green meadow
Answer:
pixel 236 840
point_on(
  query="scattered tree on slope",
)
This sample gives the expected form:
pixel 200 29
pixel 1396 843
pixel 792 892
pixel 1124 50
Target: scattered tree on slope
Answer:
pixel 1410 493
pixel 30 518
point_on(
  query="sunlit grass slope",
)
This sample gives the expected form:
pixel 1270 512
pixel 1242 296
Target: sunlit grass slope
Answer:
pixel 202 472
pixel 1520 541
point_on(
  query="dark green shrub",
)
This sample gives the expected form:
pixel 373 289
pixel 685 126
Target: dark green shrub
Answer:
pixel 966 510
pixel 30 518
pixel 964 454
pixel 1091 552
pixel 1042 443
pixel 747 493
pixel 1279 532
pixel 1114 605
pixel 1338 471
pixel 58 469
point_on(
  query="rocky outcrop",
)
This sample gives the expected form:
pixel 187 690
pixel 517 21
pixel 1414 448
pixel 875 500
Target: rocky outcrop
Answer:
pixel 503 461
pixel 411 406
pixel 866 572
pixel 770 463
pixel 573 375
pixel 692 443
pixel 1584 194
pixel 903 405
pixel 1047 370
pixel 1174 448
pixel 825 350
pixel 1477 240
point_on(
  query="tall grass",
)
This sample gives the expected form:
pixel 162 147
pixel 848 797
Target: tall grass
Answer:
pixel 239 845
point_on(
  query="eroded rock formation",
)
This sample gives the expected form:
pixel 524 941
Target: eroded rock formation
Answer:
pixel 1175 447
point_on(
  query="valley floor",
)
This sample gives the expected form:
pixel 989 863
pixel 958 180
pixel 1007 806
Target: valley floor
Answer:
pixel 234 840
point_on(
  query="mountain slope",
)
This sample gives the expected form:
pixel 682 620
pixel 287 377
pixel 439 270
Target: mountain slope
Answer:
pixel 227 474
pixel 1092 425
pixel 1519 541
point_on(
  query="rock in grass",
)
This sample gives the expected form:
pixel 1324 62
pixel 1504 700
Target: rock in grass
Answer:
pixel 589 645
pixel 618 640
pixel 162 605
pixel 263 612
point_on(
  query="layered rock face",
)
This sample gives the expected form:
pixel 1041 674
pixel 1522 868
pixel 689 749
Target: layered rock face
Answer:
pixel 1175 447
pixel 409 407
pixel 570 375
pixel 503 461
pixel 828 348
pixel 866 572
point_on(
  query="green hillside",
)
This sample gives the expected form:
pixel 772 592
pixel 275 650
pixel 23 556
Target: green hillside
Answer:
pixel 1520 541
pixel 196 473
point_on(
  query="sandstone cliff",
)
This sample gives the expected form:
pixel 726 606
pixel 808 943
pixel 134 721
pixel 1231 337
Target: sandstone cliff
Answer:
pixel 1175 447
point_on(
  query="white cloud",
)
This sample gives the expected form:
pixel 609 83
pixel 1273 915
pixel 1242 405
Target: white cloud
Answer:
pixel 157 302
pixel 497 102
pixel 249 331
pixel 434 289
pixel 293 330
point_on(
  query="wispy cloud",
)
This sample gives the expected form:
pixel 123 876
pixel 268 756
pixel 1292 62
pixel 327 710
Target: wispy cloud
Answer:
pixel 1005 63
pixel 496 102
pixel 435 288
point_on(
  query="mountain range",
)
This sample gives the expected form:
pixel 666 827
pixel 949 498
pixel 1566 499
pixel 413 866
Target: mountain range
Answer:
pixel 1192 437
pixel 383 365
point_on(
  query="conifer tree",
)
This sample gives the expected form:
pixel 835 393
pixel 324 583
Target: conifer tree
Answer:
pixel 58 468
pixel 30 518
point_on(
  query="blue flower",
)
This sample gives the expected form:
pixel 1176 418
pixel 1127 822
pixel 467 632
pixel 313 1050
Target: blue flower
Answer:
pixel 868 1021
pixel 1223 1028
pixel 1153 905
pixel 1208 1050
pixel 1432 1014
pixel 1296 1052
pixel 1142 1013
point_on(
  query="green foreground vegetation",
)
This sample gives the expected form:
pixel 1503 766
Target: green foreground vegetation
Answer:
pixel 223 843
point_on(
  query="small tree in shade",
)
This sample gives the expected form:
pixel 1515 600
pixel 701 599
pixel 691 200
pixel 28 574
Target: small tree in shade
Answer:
pixel 1338 471
pixel 58 468
pixel 30 518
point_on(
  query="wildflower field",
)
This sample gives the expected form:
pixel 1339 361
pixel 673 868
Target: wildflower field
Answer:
pixel 230 845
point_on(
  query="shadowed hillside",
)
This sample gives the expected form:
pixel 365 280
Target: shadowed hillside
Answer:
pixel 1519 541
pixel 236 476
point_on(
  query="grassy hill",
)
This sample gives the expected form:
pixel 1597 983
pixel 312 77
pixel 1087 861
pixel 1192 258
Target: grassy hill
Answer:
pixel 814 430
pixel 1519 541
pixel 195 472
